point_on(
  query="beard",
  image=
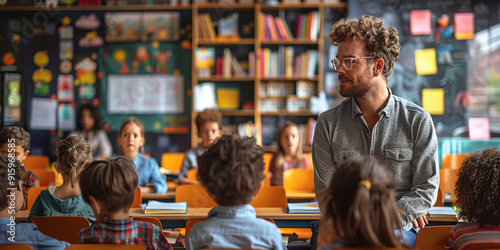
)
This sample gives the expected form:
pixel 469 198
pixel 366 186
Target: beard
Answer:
pixel 353 91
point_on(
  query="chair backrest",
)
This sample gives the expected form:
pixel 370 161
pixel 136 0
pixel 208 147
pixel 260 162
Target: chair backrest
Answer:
pixel 433 237
pixel 309 157
pixel 447 179
pixel 104 247
pixel 267 161
pixel 439 200
pixel 137 198
pixel 45 176
pixel 453 161
pixel 485 246
pixel 32 194
pixel 65 228
pixel 191 174
pixel 190 223
pixel 194 195
pixel 36 162
pixel 172 161
pixel 15 247
pixel 270 196
pixel 298 180
pixel 153 220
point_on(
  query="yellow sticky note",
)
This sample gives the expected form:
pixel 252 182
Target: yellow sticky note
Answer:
pixel 228 98
pixel 433 101
pixel 464 26
pixel 425 61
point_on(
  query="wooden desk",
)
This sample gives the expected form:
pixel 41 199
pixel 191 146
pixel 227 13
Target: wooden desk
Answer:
pixel 169 196
pixel 300 196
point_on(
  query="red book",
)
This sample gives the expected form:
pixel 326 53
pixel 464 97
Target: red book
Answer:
pixel 218 66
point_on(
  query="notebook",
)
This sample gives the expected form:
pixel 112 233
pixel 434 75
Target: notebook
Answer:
pixel 442 212
pixel 156 207
pixel 303 208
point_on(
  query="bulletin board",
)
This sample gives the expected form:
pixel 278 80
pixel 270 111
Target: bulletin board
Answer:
pixel 455 86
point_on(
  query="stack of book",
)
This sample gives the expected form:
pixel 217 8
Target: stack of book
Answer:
pixel 303 208
pixel 156 207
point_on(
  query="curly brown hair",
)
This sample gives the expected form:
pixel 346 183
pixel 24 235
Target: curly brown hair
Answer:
pixel 6 181
pixel 72 155
pixel 208 115
pixel 360 201
pixel 114 183
pixel 232 169
pixel 478 187
pixel 21 136
pixel 380 42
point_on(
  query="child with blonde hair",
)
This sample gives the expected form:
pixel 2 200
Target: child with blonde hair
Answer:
pixel 73 155
pixel 359 208
pixel 289 155
pixel 131 140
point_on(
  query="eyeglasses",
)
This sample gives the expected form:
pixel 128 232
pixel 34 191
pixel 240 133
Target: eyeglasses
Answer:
pixel 347 62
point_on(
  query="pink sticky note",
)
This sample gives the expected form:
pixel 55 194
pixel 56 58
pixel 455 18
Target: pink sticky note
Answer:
pixel 464 26
pixel 479 128
pixel 420 22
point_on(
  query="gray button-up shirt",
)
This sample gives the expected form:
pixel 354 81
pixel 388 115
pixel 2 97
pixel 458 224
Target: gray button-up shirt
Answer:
pixel 404 139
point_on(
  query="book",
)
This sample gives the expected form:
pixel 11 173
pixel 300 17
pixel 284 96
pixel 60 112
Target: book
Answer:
pixel 437 211
pixel 156 207
pixel 303 208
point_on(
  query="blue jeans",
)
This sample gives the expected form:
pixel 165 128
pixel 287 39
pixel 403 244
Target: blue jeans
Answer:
pixel 313 243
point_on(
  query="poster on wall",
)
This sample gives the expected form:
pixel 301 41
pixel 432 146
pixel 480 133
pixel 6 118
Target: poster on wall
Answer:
pixel 43 114
pixel 156 94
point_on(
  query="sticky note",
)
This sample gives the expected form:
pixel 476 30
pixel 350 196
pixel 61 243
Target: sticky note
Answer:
pixel 464 26
pixel 479 128
pixel 433 101
pixel 425 61
pixel 420 22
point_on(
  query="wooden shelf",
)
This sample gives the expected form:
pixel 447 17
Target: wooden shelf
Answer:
pixel 99 7
pixel 240 112
pixel 315 78
pixel 248 41
pixel 291 6
pixel 339 5
pixel 292 42
pixel 287 113
pixel 226 79
pixel 227 6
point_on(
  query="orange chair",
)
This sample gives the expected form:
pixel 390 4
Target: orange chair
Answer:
pixel 447 179
pixel 190 222
pixel 194 195
pixel 453 161
pixel 172 161
pixel 433 237
pixel 32 194
pixel 270 196
pixel 137 198
pixel 439 200
pixel 309 155
pixel 191 174
pixel 152 220
pixel 486 246
pixel 65 228
pixel 298 180
pixel 104 247
pixel 15 247
pixel 45 176
pixel 36 162
pixel 267 160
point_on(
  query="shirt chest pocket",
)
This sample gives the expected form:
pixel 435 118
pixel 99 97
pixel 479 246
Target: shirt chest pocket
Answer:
pixel 344 154
pixel 398 160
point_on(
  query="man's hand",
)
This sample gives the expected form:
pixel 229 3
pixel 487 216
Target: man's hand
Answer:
pixel 420 222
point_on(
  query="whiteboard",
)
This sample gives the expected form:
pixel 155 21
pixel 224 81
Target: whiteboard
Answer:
pixel 145 94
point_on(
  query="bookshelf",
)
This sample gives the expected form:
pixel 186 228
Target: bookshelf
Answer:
pixel 256 43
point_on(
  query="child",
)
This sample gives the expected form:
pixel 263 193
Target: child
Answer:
pixel 289 155
pixel 478 197
pixel 10 231
pixel 232 173
pixel 21 138
pixel 360 206
pixel 131 139
pixel 209 124
pixel 109 188
pixel 72 154
pixel 89 127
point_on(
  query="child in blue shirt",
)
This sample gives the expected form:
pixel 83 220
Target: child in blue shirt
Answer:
pixel 231 171
pixel 11 199
pixel 73 155
pixel 131 140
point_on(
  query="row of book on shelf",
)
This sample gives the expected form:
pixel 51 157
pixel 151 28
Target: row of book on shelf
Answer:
pixel 276 28
pixel 157 207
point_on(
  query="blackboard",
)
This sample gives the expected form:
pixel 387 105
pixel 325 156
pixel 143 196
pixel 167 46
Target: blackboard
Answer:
pixel 469 71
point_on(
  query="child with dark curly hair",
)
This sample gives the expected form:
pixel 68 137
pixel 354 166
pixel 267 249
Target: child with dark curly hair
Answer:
pixel 478 196
pixel 232 173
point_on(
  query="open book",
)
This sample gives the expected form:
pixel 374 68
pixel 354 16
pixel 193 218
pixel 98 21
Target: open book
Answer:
pixel 442 212
pixel 303 208
pixel 156 207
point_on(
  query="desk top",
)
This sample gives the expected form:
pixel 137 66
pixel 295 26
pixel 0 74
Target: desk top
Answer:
pixel 170 194
pixel 275 213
